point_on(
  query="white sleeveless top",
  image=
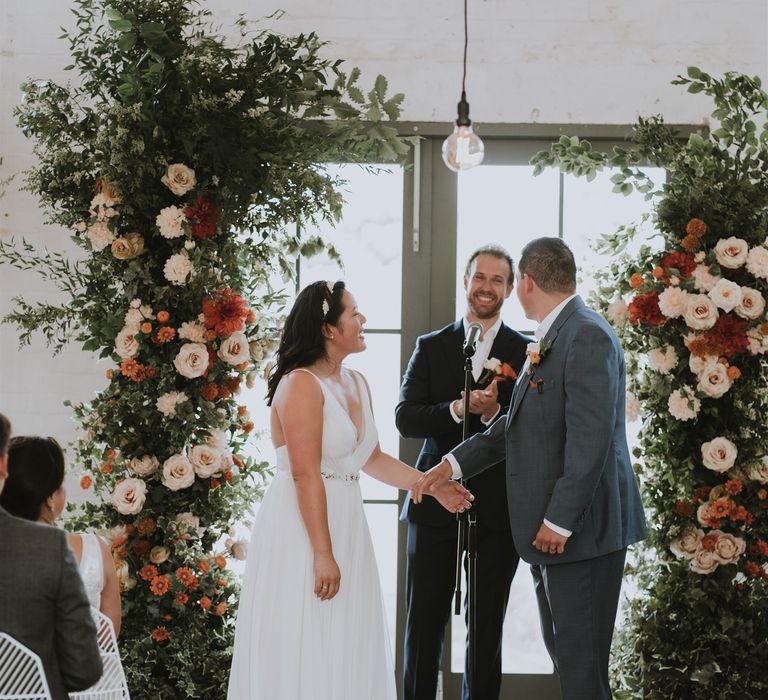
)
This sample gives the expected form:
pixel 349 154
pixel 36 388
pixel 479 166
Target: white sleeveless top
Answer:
pixel 91 568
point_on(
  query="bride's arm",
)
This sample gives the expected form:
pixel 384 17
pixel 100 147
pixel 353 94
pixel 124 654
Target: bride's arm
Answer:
pixel 299 407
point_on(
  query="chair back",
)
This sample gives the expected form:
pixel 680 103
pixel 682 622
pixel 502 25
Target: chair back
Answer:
pixel 112 684
pixel 21 672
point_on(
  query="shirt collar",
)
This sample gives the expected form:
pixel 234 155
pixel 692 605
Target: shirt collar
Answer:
pixel 490 334
pixel 550 318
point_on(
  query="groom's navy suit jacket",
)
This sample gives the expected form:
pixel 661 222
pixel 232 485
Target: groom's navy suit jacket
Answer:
pixel 565 445
pixel 434 378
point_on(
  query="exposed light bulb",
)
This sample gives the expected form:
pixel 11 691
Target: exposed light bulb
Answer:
pixel 463 149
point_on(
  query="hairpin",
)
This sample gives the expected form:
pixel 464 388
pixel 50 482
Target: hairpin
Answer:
pixel 326 308
pixel 330 286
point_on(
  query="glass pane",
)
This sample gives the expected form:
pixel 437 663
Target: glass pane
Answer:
pixel 504 205
pixel 380 365
pixel 382 522
pixel 522 649
pixel 591 209
pixel 369 238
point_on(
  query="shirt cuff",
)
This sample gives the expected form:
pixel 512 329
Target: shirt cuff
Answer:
pixel 453 413
pixel 454 466
pixel 556 528
pixel 492 418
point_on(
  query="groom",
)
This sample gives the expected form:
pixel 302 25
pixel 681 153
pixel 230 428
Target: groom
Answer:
pixel 574 505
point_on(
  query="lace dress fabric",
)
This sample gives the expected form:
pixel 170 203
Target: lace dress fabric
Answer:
pixel 91 568
pixel 289 645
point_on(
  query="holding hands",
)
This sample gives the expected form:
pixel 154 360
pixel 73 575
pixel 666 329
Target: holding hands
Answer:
pixel 432 480
pixel 452 496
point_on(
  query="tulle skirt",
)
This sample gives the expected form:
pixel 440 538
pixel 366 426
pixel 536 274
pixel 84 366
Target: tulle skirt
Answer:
pixel 290 645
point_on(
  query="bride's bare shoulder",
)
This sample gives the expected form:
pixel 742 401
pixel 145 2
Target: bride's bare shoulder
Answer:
pixel 298 385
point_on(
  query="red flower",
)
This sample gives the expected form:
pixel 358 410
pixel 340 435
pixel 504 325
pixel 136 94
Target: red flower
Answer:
pixel 762 546
pixel 721 507
pixel 682 262
pixel 160 585
pixel 645 308
pixel 225 312
pixel 160 634
pixel 708 542
pixel 203 216
pixel 181 598
pixel 187 578
pixel 753 569
pixel 685 509
pixel 205 603
pixel 140 547
pixel 148 572
pixel 733 486
pixel 728 336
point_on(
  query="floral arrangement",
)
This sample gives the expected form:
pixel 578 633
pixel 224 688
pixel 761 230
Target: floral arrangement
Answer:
pixel 691 314
pixel 494 370
pixel 184 167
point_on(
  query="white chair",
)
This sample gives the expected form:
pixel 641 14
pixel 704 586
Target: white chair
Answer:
pixel 21 672
pixel 112 684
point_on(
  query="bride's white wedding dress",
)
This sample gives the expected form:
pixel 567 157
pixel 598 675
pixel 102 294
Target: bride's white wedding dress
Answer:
pixel 290 645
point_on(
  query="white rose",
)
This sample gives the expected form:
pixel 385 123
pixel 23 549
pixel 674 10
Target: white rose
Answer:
pixel 703 279
pixel 703 515
pixel 166 403
pixel 122 570
pixel 683 405
pixel 159 554
pixel 731 252
pixel 179 178
pixel 714 380
pixel 618 312
pixel 759 471
pixel 752 303
pixel 126 344
pixel 207 461
pixel 719 454
pixel 704 562
pixel 100 236
pixel 237 548
pixel 143 466
pixel 178 473
pixel 700 312
pixel 235 350
pixel 192 360
pixel 728 548
pixel 492 363
pixel 178 269
pixel 672 302
pixel 685 546
pixel 129 496
pixel 757 262
pixel 633 409
pixel 726 295
pixel 662 360
pixel 170 222
pixel 697 363
pixel 192 331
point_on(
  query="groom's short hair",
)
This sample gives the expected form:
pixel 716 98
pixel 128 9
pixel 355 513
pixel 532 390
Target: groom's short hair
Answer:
pixel 5 434
pixel 549 263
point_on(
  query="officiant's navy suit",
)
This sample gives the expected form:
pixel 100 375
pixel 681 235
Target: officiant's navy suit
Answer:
pixel 567 461
pixel 434 378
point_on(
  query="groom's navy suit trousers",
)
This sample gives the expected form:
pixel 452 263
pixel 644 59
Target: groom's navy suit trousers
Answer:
pixel 434 378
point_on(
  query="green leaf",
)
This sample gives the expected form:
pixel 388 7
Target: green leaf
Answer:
pixel 381 87
pixel 121 25
pixel 694 72
pixel 127 41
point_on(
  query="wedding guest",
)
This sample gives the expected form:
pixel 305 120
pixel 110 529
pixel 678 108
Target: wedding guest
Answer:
pixel 575 505
pixel 35 491
pixel 431 408
pixel 43 604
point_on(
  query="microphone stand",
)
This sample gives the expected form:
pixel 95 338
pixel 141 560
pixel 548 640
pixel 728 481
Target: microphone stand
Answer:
pixel 466 541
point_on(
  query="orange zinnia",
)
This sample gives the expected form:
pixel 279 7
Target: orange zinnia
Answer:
pixel 85 482
pixel 187 578
pixel 221 562
pixel 160 585
pixel 160 634
pixel 181 598
pixel 205 603
pixel 148 572
pixel 165 334
pixel 636 280
pixel 163 316
pixel 220 609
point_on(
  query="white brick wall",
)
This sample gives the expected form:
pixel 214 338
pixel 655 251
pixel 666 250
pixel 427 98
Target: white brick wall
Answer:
pixel 549 61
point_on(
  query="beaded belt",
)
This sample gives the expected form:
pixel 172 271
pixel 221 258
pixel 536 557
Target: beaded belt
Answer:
pixel 340 477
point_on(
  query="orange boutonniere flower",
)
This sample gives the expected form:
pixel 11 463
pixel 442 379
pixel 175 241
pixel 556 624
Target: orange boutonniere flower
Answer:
pixel 536 353
pixel 496 371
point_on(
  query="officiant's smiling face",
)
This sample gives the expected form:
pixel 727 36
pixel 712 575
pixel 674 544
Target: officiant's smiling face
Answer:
pixel 348 334
pixel 488 285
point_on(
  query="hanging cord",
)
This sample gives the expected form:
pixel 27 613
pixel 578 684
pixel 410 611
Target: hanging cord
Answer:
pixel 466 41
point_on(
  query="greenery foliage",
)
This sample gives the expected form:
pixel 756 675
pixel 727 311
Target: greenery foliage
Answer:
pixel 185 166
pixel 690 311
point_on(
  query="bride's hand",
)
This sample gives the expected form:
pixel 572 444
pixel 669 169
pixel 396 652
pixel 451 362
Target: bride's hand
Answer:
pixel 327 576
pixel 452 496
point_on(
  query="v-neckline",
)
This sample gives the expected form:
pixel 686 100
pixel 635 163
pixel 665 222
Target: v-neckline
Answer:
pixel 359 432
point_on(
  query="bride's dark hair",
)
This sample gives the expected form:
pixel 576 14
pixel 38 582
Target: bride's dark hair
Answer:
pixel 302 342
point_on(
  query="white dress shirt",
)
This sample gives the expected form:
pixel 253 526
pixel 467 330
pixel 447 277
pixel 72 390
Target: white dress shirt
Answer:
pixel 539 333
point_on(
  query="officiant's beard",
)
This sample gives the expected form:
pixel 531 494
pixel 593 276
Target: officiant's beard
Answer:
pixel 486 312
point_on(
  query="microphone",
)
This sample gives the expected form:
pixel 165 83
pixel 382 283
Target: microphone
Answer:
pixel 470 341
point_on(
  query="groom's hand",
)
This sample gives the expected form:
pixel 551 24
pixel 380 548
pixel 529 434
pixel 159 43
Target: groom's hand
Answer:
pixel 548 541
pixel 436 475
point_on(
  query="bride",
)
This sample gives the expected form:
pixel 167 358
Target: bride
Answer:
pixel 311 618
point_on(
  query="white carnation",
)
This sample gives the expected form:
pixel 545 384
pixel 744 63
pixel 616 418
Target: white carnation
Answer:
pixel 178 269
pixel 194 332
pixel 166 403
pixel 218 439
pixel 703 279
pixel 618 312
pixel 683 404
pixel 178 473
pixel 757 262
pixel 170 222
pixel 133 319
pixel 672 302
pixel 726 295
pixel 234 350
pixel 491 363
pixel 662 360
pixel 633 409
pixel 99 235
pixel 719 454
pixel 731 252
pixel 129 496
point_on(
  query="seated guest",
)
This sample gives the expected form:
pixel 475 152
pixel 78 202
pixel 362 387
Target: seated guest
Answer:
pixel 42 600
pixel 35 491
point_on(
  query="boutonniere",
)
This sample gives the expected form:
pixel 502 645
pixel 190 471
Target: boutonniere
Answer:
pixel 496 371
pixel 536 353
